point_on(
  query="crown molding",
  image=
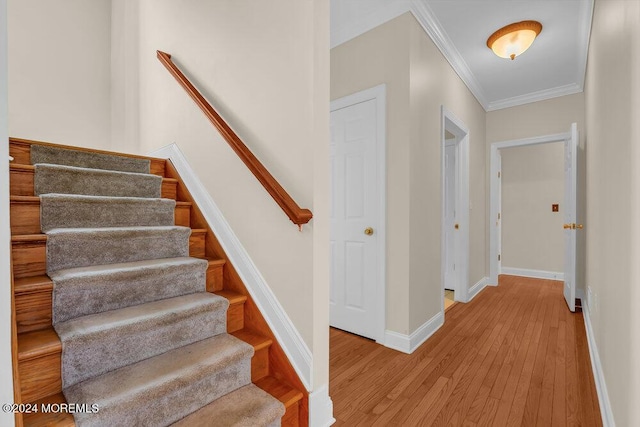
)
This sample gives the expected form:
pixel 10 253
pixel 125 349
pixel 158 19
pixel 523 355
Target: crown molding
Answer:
pixel 586 17
pixel 540 95
pixel 433 28
pixel 431 25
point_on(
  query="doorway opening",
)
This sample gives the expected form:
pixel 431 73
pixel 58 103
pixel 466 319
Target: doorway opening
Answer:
pixel 455 210
pixel 570 223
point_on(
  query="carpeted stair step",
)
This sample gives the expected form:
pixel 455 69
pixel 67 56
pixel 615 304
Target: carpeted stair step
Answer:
pixel 249 406
pixel 21 180
pixel 85 159
pixel 94 182
pixel 79 211
pixel 81 247
pixel 164 389
pixel 95 344
pixel 95 289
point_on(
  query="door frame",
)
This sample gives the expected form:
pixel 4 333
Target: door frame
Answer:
pixel 377 93
pixel 495 199
pixel 454 125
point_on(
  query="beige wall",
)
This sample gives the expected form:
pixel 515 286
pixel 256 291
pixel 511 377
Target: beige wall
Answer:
pixel 545 118
pixel 261 65
pixel 532 180
pixel 382 56
pixel 59 71
pixel 6 373
pixel 613 194
pixel 418 81
pixel 433 84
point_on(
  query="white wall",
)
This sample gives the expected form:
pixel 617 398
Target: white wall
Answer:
pixel 613 200
pixel 418 80
pixel 6 372
pixel 435 83
pixel 532 234
pixel 59 71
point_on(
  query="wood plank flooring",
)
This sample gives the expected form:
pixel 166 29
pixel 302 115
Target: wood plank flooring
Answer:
pixel 514 356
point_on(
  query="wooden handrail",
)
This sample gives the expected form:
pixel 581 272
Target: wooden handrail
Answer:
pixel 295 213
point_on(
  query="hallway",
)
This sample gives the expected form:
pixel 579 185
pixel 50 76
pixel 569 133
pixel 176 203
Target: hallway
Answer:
pixel 513 356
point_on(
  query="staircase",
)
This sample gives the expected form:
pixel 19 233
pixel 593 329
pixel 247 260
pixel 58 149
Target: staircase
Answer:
pixel 149 320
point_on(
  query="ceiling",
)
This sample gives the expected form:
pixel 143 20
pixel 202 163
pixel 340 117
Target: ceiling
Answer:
pixel 553 66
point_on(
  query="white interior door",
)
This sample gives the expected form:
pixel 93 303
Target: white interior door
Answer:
pixel 570 178
pixel 450 279
pixel 354 219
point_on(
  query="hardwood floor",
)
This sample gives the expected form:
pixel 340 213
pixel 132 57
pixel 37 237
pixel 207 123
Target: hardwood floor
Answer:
pixel 513 356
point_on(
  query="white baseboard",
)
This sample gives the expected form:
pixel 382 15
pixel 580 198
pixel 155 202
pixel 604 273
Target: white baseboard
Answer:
pixel 536 274
pixel 320 407
pixel 409 343
pixel 601 387
pixel 475 289
pixel 286 333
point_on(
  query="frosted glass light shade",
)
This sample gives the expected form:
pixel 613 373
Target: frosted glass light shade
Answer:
pixel 512 40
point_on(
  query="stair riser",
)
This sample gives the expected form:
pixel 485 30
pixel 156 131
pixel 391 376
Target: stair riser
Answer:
pixel 30 258
pixel 40 377
pixel 25 217
pixel 46 371
pixel 21 184
pixel 235 317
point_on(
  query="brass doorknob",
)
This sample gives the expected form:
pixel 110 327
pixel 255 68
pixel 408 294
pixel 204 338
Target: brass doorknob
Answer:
pixel 579 226
pixel 457 226
pixel 566 226
pixel 368 231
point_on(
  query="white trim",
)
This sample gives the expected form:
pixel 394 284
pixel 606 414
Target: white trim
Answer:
pixel 409 343
pixel 598 374
pixel 450 122
pixel 494 195
pixel 284 330
pixel 536 274
pixel 320 407
pixel 586 18
pixel 429 22
pixel 377 93
pixel 477 288
pixel 540 95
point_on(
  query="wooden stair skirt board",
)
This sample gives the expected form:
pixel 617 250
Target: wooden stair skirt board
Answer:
pixel 37 347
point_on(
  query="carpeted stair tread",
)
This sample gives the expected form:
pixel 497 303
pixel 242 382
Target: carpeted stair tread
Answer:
pixel 62 179
pixel 249 406
pixel 85 159
pixel 99 343
pixel 95 289
pixel 164 389
pixel 80 211
pixel 81 247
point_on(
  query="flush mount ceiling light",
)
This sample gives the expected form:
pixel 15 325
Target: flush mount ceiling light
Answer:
pixel 512 40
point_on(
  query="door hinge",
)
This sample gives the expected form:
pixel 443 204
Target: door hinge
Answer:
pixel 498 257
pixel 498 215
pixel 498 174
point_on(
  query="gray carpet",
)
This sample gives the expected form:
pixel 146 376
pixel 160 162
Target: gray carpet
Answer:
pixel 141 337
pixel 93 182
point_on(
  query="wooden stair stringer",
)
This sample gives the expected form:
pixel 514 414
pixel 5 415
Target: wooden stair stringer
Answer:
pixel 279 366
